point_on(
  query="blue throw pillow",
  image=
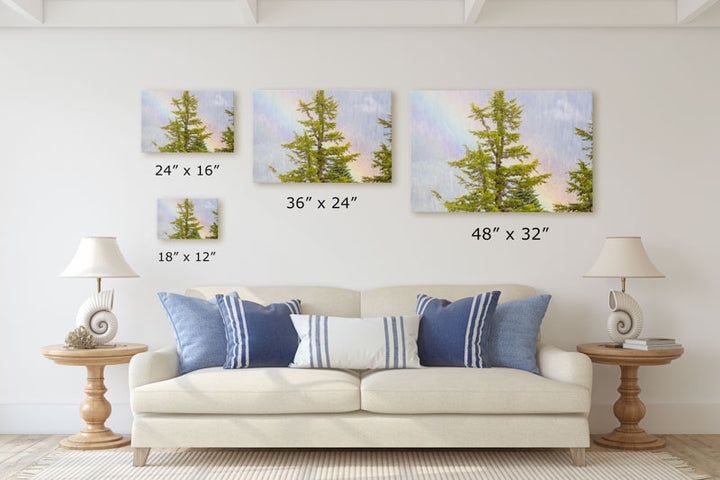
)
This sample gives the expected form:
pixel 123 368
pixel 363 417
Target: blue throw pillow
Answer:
pixel 454 334
pixel 199 331
pixel 514 332
pixel 257 335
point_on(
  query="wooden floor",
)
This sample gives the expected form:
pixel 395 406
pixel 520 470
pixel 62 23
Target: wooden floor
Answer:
pixel 20 451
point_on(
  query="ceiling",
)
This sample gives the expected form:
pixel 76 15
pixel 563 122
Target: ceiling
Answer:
pixel 359 13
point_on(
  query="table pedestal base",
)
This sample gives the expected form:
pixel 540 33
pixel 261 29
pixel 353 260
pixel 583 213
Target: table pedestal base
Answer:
pixel 95 409
pixel 630 440
pixel 83 441
pixel 629 410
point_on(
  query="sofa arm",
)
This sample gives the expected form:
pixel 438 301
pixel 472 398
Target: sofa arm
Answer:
pixel 563 366
pixel 151 367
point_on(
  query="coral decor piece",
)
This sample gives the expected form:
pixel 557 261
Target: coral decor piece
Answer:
pixel 80 338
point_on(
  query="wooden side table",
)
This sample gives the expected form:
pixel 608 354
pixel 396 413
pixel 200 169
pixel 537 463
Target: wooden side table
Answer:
pixel 629 410
pixel 95 409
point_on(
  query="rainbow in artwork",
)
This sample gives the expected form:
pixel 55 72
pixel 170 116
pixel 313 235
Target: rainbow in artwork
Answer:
pixel 188 121
pixel 182 218
pixel 322 136
pixel 502 151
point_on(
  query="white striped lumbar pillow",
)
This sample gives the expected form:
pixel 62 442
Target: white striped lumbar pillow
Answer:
pixel 356 343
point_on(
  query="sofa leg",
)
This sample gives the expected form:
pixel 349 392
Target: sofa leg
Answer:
pixel 578 456
pixel 140 456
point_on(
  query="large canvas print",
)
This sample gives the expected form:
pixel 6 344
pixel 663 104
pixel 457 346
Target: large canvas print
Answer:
pixel 188 121
pixel 502 151
pixel 322 136
pixel 187 218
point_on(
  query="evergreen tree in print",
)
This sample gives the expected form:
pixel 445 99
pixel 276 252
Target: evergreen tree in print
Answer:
pixel 495 173
pixel 186 132
pixel 476 178
pixel 383 156
pixel 186 225
pixel 522 180
pixel 214 227
pixel 228 135
pixel 581 179
pixel 320 152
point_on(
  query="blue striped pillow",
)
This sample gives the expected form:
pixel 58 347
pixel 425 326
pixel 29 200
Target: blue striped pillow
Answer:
pixel 454 334
pixel 356 343
pixel 257 335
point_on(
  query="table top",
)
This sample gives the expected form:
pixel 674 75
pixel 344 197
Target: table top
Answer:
pixel 612 354
pixel 116 354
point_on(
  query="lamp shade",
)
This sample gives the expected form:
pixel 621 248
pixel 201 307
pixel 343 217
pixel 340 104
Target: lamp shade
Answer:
pixel 98 257
pixel 623 257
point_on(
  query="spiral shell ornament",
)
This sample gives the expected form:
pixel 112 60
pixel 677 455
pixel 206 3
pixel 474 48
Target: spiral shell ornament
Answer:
pixel 626 319
pixel 95 314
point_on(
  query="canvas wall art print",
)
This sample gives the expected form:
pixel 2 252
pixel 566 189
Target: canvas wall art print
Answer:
pixel 187 218
pixel 502 151
pixel 322 136
pixel 188 121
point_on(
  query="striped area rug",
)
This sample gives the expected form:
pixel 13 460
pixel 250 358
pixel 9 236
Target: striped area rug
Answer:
pixel 357 464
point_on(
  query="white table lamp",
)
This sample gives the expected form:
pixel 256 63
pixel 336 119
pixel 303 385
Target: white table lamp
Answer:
pixel 98 257
pixel 623 257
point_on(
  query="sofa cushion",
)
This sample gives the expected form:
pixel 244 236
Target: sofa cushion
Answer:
pixel 358 343
pixel 513 333
pixel 469 390
pixel 258 335
pixel 454 334
pixel 251 391
pixel 198 329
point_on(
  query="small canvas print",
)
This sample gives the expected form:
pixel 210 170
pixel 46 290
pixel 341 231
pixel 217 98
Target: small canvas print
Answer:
pixel 322 136
pixel 188 121
pixel 187 218
pixel 502 151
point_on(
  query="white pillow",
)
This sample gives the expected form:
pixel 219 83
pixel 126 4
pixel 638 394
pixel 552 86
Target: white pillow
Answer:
pixel 356 343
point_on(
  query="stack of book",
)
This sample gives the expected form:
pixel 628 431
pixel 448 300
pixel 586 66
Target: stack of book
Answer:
pixel 651 344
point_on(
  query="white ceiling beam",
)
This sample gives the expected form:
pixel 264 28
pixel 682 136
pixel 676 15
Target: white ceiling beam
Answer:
pixel 578 13
pixel 689 10
pixel 360 13
pixel 148 13
pixel 472 10
pixel 31 10
pixel 249 7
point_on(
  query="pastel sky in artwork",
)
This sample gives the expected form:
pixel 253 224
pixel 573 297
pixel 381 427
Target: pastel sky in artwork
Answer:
pixel 440 130
pixel 167 211
pixel 276 118
pixel 157 112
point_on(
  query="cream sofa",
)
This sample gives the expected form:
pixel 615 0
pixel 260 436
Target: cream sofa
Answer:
pixel 434 407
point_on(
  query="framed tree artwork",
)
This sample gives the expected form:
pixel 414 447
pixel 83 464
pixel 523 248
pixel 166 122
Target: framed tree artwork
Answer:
pixel 322 136
pixel 502 151
pixel 188 121
pixel 187 219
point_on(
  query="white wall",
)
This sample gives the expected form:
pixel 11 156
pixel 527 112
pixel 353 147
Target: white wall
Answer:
pixel 70 165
